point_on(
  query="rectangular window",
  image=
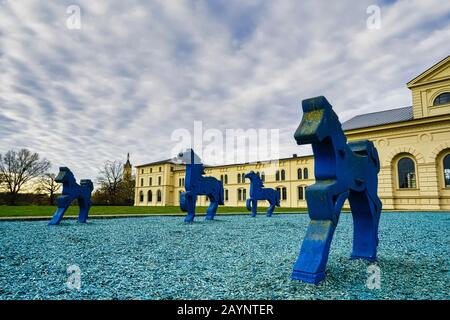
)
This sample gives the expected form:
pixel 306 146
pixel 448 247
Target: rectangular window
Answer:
pixel 301 193
pixel 284 194
pixel 446 164
pixel 447 177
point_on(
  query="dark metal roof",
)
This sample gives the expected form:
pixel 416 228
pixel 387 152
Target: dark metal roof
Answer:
pixel 379 118
pixel 170 161
pixel 167 161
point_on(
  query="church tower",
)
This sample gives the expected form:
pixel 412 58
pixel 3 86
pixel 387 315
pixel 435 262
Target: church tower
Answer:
pixel 127 168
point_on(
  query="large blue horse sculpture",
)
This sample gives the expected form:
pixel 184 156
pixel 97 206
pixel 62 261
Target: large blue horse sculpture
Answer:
pixel 343 171
pixel 196 184
pixel 258 192
pixel 71 191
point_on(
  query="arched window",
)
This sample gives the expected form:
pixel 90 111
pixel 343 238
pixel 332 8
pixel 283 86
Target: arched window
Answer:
pixel 284 194
pixel 221 178
pixel 159 181
pixel 299 174
pixel 446 165
pixel 239 178
pixel 239 194
pixel 406 173
pixel 243 178
pixel 141 196
pixel 283 175
pixel 305 173
pixel 149 196
pixel 277 175
pixel 226 179
pixel 244 194
pixel 301 194
pixel 226 194
pixel 279 192
pixel 149 181
pixel 443 98
pixel 263 176
pixel 142 182
pixel 158 196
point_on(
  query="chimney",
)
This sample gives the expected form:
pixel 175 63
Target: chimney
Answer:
pixel 294 155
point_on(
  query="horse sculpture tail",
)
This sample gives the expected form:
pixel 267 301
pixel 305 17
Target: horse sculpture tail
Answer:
pixel 277 197
pixel 221 199
pixel 87 183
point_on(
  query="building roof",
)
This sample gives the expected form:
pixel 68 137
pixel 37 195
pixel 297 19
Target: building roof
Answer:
pixel 170 161
pixel 379 118
pixel 167 161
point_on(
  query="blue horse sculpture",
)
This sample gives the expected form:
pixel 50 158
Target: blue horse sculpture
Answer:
pixel 71 191
pixel 342 171
pixel 258 192
pixel 196 184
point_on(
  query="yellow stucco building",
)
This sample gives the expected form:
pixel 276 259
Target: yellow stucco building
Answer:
pixel 413 145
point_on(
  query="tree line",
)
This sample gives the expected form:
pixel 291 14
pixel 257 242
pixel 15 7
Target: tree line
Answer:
pixel 21 167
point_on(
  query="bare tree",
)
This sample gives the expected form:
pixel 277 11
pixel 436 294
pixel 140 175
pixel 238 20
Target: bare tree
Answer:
pixel 48 185
pixel 18 168
pixel 110 179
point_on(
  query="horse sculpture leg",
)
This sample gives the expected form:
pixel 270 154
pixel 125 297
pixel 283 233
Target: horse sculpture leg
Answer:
pixel 312 260
pixel 85 205
pixel 212 209
pixel 252 205
pixel 63 203
pixel 188 202
pixel 57 217
pixel 271 208
pixel 310 265
pixel 366 216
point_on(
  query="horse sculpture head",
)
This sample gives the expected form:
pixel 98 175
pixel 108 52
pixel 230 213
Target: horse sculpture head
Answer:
pixel 318 121
pixel 255 179
pixel 188 157
pixel 64 175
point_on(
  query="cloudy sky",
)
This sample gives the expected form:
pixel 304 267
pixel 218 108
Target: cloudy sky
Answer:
pixel 138 70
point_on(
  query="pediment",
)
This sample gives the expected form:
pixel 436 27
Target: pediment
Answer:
pixel 440 71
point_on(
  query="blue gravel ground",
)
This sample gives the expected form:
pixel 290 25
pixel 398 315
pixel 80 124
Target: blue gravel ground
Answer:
pixel 233 257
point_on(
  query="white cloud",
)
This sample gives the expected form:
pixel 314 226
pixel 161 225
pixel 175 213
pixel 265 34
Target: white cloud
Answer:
pixel 137 71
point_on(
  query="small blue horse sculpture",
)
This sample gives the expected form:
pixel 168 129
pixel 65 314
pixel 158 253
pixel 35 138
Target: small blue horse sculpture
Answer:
pixel 258 192
pixel 71 191
pixel 196 184
pixel 342 171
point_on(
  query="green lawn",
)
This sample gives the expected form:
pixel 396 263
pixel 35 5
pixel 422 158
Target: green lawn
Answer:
pixel 30 211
